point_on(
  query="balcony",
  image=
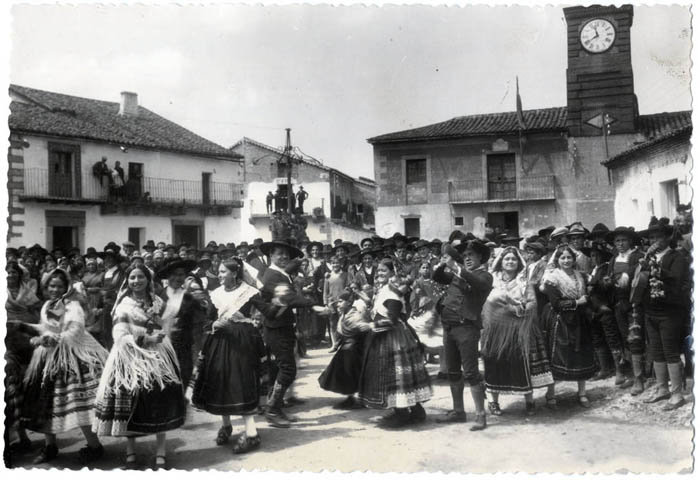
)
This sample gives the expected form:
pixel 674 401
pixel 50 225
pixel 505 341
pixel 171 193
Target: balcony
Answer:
pixel 479 191
pixel 215 198
pixel 314 208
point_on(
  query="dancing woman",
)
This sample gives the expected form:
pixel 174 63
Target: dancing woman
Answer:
pixel 62 378
pixel 140 391
pixel 513 349
pixel 227 382
pixel 393 375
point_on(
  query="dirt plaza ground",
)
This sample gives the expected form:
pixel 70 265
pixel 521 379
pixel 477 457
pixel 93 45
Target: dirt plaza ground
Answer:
pixel 617 433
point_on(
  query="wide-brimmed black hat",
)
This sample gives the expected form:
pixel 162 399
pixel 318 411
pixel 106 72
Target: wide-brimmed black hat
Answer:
pixel 536 245
pixel 621 230
pixel 149 245
pixel 367 239
pixel 312 244
pixel 294 252
pixel 165 271
pixel 662 225
pixel 599 230
pixel 420 243
pixel 372 252
pixel 399 238
pixel 577 229
pixel 344 245
pixel 600 248
pixel 477 246
pixel 436 242
pixel 546 231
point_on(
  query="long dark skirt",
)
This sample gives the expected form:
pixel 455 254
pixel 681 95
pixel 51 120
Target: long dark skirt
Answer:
pixel 158 410
pixel 570 345
pixel 393 374
pixel 228 371
pixel 342 375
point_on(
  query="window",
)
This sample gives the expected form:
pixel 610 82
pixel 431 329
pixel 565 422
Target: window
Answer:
pixel 136 235
pixel 501 176
pixel 64 171
pixel 416 181
pixel 669 198
pixel 412 227
pixel 459 220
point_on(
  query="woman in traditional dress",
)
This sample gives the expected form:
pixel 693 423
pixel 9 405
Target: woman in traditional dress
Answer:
pixel 184 313
pixel 569 341
pixel 393 374
pixel 62 378
pixel 140 391
pixel 425 294
pixel 92 281
pixel 343 372
pixel 512 346
pixel 21 307
pixel 228 370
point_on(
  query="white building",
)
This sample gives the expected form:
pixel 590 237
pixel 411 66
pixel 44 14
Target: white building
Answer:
pixel 179 188
pixel 338 206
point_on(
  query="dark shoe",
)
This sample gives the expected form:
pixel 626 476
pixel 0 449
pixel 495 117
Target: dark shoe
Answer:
pixel 452 417
pixel 530 408
pixel 223 435
pixel 479 423
pixel 88 455
pixel 277 418
pixel 661 392
pixel 417 413
pixel 245 444
pixel 442 375
pixel 551 402
pixel 399 418
pixel 48 453
pixel 676 401
pixel 495 409
pixel 583 401
pixel 21 446
pixel 347 403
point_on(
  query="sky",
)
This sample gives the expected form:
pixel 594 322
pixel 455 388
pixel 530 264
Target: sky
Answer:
pixel 335 75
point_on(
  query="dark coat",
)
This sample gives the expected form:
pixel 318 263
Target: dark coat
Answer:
pixel 276 316
pixel 466 293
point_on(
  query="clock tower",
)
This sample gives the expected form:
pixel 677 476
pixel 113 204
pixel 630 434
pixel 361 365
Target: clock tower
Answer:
pixel 599 80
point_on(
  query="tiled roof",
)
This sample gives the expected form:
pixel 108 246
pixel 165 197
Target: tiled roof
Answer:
pixel 482 124
pixel 304 158
pixel 687 130
pixel 50 113
pixel 651 126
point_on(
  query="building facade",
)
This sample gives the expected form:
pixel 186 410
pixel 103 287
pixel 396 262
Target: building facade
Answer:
pixel 178 187
pixel 521 171
pixel 338 206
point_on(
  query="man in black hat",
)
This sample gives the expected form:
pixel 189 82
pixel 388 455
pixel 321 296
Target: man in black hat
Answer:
pixel 279 298
pixel 268 201
pixel 112 281
pixel 462 269
pixel 665 297
pixel 618 279
pixel 257 258
pixel 302 195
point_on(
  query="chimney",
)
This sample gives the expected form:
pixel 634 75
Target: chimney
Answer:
pixel 129 104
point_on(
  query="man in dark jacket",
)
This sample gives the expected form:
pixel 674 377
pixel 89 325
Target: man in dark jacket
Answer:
pixel 463 269
pixel 279 298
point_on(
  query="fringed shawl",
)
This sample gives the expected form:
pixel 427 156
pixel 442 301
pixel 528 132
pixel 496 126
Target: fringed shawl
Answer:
pixel 65 317
pixel 509 316
pixel 569 287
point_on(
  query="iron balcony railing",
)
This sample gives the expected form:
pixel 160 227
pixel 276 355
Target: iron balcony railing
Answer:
pixel 258 207
pixel 38 184
pixel 532 187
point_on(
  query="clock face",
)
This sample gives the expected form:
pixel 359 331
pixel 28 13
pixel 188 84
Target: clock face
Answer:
pixel 597 35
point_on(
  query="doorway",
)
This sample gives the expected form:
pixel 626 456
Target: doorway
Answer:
pixel 187 234
pixel 64 237
pixel 412 227
pixel 134 184
pixel 504 223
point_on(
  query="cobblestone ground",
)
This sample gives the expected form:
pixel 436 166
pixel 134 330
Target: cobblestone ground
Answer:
pixel 618 433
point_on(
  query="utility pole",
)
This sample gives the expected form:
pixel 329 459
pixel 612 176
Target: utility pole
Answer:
pixel 288 155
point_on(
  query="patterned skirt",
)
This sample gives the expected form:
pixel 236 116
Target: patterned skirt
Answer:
pixel 227 378
pixel 156 409
pixel 342 375
pixel 59 404
pixel 14 396
pixel 517 373
pixel 393 374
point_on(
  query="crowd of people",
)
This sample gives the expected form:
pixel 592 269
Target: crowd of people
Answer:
pixel 121 342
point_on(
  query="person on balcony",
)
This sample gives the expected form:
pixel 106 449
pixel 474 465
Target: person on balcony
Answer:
pixel 301 195
pixel 100 170
pixel 268 201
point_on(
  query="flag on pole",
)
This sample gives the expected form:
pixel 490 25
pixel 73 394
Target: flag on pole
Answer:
pixel 519 106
